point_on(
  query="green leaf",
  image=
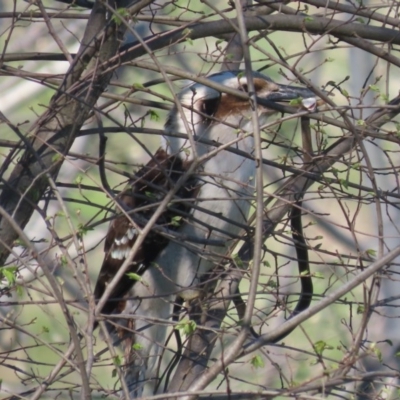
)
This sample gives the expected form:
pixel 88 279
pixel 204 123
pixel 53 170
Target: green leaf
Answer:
pixel 335 171
pixel 238 261
pixel 371 252
pixel 19 242
pixel 360 309
pixel 176 221
pixel 83 229
pixel 385 98
pixel 117 361
pixel 374 88
pixel 154 116
pixel 320 346
pixel 345 93
pixel 57 157
pixel 378 353
pixel 150 195
pixel 186 326
pixel 308 19
pixel 187 32
pixel 138 86
pixel 133 276
pixel 20 290
pixel 137 346
pixel 119 14
pixel 296 102
pixel 344 183
pixel 10 273
pixel 266 264
pixel 257 362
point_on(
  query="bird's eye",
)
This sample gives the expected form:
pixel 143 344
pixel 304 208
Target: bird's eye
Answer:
pixel 245 88
pixel 210 106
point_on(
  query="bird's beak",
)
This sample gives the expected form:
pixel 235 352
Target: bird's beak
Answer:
pixel 286 93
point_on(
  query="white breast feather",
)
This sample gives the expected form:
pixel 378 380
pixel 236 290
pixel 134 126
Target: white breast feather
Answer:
pixel 227 190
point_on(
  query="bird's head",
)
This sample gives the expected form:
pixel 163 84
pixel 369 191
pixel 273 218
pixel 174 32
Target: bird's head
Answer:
pixel 211 113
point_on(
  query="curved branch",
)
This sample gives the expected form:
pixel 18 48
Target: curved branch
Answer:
pixel 286 23
pixel 292 23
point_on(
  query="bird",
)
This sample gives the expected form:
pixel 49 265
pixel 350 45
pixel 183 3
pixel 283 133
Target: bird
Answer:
pixel 207 148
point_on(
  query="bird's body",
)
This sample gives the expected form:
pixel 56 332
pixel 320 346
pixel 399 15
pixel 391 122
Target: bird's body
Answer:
pixel 212 210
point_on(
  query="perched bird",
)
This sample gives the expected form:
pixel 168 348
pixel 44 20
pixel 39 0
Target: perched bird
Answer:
pixel 204 217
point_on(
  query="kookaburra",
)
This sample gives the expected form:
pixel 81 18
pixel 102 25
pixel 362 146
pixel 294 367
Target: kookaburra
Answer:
pixel 208 212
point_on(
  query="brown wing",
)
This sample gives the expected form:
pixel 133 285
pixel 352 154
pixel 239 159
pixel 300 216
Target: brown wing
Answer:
pixel 144 193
